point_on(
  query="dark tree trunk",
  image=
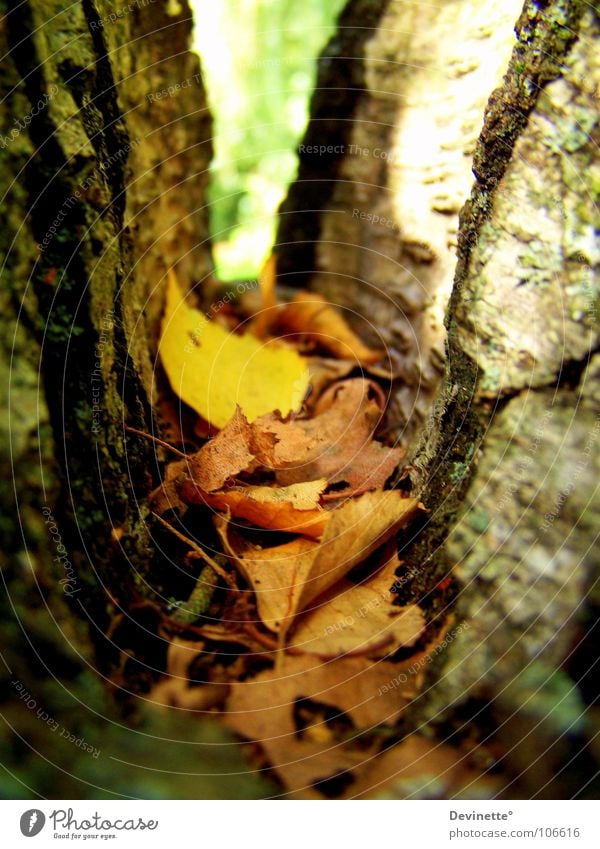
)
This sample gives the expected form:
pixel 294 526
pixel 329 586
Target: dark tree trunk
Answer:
pixel 104 157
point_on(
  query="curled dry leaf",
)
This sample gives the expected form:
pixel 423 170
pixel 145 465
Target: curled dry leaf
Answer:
pixel 374 393
pixel 337 444
pixel 236 448
pixel 288 577
pixel 294 509
pixel 239 447
pixel 224 456
pixel 354 691
pixel 213 370
pixel 323 372
pixel 299 442
pixel 359 619
pixel 312 315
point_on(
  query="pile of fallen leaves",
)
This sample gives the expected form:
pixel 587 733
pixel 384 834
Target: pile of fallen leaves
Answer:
pixel 292 632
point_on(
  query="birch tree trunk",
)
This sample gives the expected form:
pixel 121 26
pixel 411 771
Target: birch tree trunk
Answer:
pixel 500 413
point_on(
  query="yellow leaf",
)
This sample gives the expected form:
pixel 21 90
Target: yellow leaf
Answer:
pixel 212 369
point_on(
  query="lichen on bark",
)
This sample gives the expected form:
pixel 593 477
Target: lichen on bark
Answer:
pixel 522 332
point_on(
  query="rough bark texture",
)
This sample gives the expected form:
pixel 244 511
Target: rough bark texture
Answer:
pixel 505 453
pixel 522 376
pixel 110 183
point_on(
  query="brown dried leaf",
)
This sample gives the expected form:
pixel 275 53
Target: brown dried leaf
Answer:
pixel 312 315
pixel 294 509
pixel 336 445
pixel 237 448
pixel 265 709
pixel 288 577
pixel 323 372
pixel 228 454
pixel 352 619
pixel 349 411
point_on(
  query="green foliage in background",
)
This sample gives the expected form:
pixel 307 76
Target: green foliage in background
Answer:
pixel 259 62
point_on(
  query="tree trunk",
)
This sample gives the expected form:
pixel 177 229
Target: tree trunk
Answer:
pixel 517 490
pixel 501 416
pixel 106 133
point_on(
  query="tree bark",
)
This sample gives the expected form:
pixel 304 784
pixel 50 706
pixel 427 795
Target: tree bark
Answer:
pixel 516 423
pixel 105 141
pixel 374 224
pixel 500 413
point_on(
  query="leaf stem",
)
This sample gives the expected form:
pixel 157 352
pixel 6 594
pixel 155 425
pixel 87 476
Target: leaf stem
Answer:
pixel 198 550
pixel 157 440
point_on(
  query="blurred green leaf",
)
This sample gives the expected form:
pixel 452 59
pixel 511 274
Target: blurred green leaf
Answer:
pixel 259 62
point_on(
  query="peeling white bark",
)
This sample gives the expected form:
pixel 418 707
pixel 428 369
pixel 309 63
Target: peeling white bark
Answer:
pixel 409 163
